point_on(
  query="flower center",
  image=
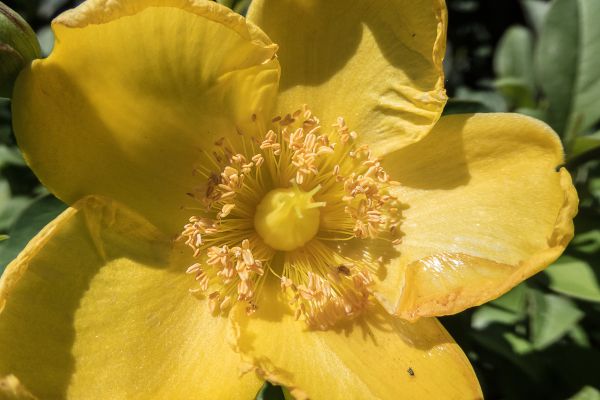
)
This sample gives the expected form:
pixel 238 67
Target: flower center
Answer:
pixel 288 218
pixel 306 205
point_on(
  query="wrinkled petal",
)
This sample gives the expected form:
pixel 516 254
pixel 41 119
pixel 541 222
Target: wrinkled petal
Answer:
pixel 488 206
pixel 132 94
pixel 378 64
pixel 97 307
pixel 375 357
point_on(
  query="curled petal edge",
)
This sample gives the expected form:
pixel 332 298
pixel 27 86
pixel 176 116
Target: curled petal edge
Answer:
pixel 456 302
pixel 103 11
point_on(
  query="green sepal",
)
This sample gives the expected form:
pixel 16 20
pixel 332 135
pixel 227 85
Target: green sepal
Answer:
pixel 18 47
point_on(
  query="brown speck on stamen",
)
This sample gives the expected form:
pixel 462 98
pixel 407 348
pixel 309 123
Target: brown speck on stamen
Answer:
pixel 287 120
pixel 342 269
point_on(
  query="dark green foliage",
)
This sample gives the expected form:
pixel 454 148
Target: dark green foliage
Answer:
pixel 270 392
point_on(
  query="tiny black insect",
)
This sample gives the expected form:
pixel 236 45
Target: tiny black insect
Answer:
pixel 342 269
pixel 410 371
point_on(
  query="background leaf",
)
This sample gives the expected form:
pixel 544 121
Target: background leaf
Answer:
pixel 551 318
pixel 514 56
pixel 535 12
pixel 27 225
pixel 568 64
pixel 270 392
pixel 574 277
pixel 460 106
pixel 585 144
pixel 587 393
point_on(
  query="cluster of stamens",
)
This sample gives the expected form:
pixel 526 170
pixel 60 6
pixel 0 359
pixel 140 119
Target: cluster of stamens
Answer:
pixel 342 294
pixel 344 181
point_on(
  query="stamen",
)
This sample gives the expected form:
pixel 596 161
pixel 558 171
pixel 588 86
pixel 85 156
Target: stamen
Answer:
pixel 324 176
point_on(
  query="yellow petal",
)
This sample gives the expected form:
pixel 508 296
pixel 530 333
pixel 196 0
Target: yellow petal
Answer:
pixel 376 357
pixel 132 93
pixel 378 64
pixel 488 206
pixel 97 307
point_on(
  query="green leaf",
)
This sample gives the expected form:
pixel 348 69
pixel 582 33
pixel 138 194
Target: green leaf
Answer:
pixel 516 91
pixel 535 12
pixel 586 393
pixel 568 65
pixel 270 392
pixel 3 237
pixel 518 344
pixel 459 106
pixel 487 315
pixel 226 3
pixel 532 112
pixel 514 300
pixel 10 156
pixel 10 206
pixel 551 317
pixel 585 144
pixel 492 100
pixel 587 242
pixel 48 8
pixel 510 347
pixel 513 59
pixel 579 336
pixel 27 225
pixel 574 277
pixel 465 6
pixel 587 237
pixel 10 210
pixel 241 7
pixel 286 394
pixel 594 187
pixel 46 39
pixel 513 64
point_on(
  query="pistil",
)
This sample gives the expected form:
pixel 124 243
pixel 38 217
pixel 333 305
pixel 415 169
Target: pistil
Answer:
pixel 287 219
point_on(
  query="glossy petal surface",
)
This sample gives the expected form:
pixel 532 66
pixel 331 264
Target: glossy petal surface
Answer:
pixel 377 64
pixel 132 94
pixel 97 306
pixel 488 205
pixel 376 357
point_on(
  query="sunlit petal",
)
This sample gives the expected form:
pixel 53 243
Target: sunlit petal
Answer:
pixel 375 357
pixel 488 205
pixel 97 307
pixel 132 94
pixel 378 64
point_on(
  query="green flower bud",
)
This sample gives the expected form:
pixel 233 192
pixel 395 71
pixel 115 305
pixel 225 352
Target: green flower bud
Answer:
pixel 18 47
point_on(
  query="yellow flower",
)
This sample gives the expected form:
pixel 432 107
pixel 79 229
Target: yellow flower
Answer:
pixel 318 237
